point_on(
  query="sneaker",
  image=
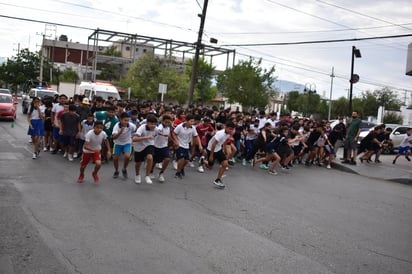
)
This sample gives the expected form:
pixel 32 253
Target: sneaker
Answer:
pixel 252 162
pixel 219 183
pixel 345 161
pixel 161 178
pixel 34 156
pixel 191 164
pixel 70 157
pixel 231 163
pixel 244 163
pixel 328 167
pixel 137 179
pixel 273 172
pixel 45 149
pixel 174 164
pixel 159 165
pixel 407 158
pixel 152 176
pixel 285 168
pixel 116 174
pixel 201 169
pixel 148 180
pixel 394 161
pixel 54 151
pixel 75 155
pixel 378 161
pixel 65 155
pixel 182 172
pixel 178 175
pixel 95 177
pixel 263 166
pixel 124 173
pixel 80 179
pixel 353 163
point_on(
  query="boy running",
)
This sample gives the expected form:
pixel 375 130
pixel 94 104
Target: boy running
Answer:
pixel 143 144
pixel 214 151
pixel 91 150
pixel 122 139
pixel 405 146
pixel 182 136
pixel 161 145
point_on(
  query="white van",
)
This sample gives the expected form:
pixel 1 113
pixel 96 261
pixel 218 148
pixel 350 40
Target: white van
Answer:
pixel 105 90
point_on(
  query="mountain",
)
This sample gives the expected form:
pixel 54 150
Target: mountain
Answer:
pixel 288 86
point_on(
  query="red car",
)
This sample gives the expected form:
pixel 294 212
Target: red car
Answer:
pixel 7 107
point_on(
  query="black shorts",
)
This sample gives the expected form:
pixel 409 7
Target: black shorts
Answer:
pixel 160 154
pixel 140 156
pixel 220 156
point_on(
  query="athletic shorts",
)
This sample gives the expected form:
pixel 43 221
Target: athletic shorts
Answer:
pixel 140 156
pixel 119 149
pixel 86 157
pixel 56 134
pixel 182 153
pixel 219 156
pixel 160 154
pixel 403 150
pixel 68 140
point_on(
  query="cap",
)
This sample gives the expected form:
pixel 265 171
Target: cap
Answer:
pixel 85 101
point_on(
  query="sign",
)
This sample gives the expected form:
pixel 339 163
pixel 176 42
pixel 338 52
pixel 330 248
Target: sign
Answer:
pixel 162 88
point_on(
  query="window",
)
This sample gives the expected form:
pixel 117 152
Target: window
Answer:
pixel 127 48
pixel 137 49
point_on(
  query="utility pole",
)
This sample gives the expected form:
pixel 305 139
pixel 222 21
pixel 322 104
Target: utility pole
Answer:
pixel 330 95
pixel 193 78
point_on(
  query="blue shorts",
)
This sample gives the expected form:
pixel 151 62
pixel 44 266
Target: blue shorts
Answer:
pixel 119 149
pixel 402 150
pixel 56 134
pixel 182 153
pixel 160 154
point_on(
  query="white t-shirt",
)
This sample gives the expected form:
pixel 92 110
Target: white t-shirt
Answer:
pixel 126 136
pixel 141 132
pixel 221 136
pixel 405 141
pixel 95 141
pixel 56 109
pixel 184 134
pixel 162 138
pixel 85 127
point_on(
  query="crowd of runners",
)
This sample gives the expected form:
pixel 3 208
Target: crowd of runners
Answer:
pixel 157 134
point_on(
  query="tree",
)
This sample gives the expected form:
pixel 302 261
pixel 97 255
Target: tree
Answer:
pixel 68 75
pixel 204 91
pixel 25 65
pixel 147 72
pixel 308 103
pixel 292 102
pixel 392 118
pixel 387 98
pixel 340 107
pixel 247 83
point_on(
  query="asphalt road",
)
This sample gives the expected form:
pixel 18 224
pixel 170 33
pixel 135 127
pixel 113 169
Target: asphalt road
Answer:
pixel 309 220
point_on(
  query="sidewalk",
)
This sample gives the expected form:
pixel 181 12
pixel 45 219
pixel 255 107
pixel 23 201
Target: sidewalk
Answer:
pixel 400 172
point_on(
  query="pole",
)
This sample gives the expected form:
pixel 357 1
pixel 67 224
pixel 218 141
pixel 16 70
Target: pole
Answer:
pixel 41 62
pixel 351 82
pixel 193 78
pixel 330 95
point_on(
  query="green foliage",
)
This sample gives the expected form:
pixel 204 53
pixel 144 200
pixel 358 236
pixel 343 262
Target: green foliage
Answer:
pixel 204 91
pixel 247 83
pixel 308 103
pixel 392 118
pixel 148 72
pixel 292 101
pixel 68 76
pixel 18 69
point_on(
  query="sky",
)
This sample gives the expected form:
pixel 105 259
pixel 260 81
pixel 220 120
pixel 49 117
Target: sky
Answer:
pixel 238 24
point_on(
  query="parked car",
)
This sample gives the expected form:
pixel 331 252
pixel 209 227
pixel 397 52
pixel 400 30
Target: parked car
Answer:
pixel 7 107
pixel 5 91
pixel 366 127
pixel 35 92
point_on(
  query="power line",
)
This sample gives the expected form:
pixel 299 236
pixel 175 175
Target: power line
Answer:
pixel 44 22
pixel 364 15
pixel 318 41
pixel 200 6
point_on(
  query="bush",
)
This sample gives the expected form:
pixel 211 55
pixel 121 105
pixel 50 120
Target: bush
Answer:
pixel 392 118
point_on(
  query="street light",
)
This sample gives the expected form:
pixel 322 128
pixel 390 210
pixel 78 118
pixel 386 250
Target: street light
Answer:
pixel 354 78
